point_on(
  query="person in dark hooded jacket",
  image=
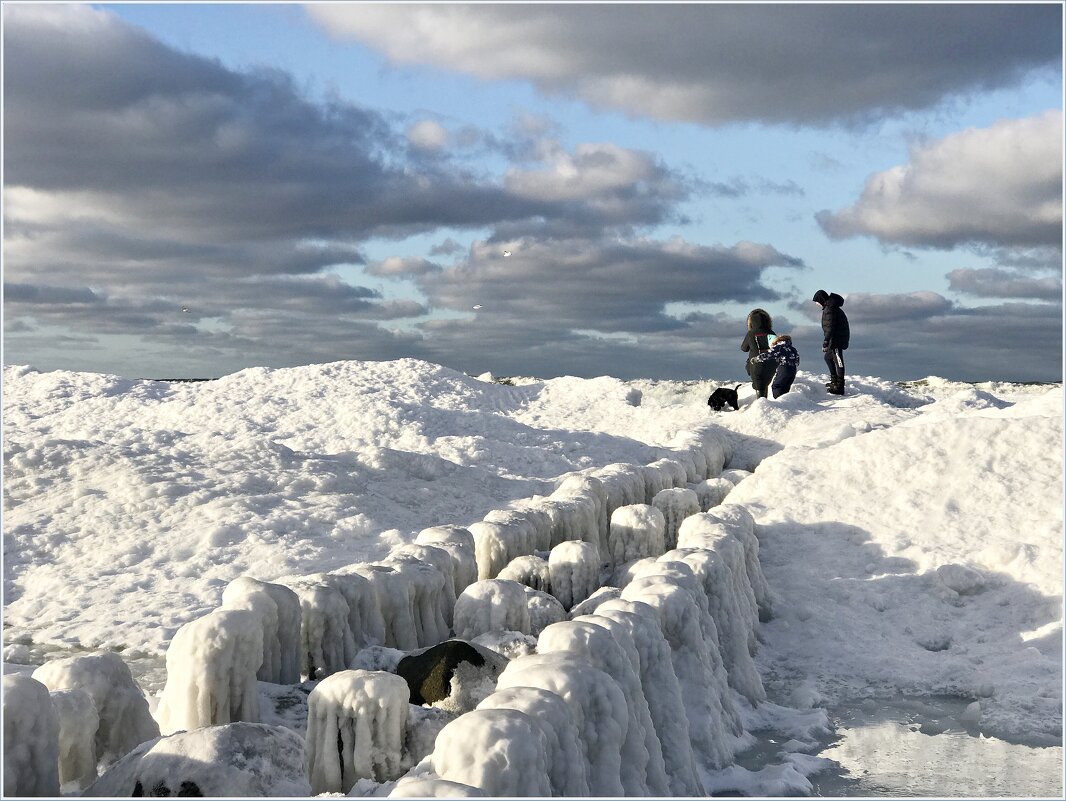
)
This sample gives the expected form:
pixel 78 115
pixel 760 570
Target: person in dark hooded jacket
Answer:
pixel 836 335
pixel 757 340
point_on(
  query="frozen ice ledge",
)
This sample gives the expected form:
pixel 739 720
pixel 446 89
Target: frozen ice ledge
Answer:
pixel 598 641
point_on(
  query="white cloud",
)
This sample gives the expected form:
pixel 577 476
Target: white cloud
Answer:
pixel 428 135
pixel 591 171
pixel 998 186
pixel 716 63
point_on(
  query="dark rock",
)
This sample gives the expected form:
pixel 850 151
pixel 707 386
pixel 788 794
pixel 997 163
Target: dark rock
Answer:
pixel 429 672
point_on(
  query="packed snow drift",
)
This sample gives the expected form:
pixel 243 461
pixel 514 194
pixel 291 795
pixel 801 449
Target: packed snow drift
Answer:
pixel 594 586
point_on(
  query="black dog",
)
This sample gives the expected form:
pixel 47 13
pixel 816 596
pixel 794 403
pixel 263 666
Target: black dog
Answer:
pixel 723 395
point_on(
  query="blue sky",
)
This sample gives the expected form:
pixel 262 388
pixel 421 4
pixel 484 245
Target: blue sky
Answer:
pixel 194 189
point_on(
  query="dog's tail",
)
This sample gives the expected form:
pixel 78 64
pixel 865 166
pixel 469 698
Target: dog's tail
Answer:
pixel 738 387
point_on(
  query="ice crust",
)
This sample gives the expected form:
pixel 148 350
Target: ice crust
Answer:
pixel 940 594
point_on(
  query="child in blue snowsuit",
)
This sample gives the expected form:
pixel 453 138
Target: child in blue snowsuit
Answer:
pixel 784 354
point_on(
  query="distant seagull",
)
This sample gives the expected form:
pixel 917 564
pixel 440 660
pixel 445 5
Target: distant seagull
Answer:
pixel 506 253
pixel 477 307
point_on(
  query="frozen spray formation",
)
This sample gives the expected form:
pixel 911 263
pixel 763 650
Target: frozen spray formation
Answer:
pixel 316 461
pixel 630 697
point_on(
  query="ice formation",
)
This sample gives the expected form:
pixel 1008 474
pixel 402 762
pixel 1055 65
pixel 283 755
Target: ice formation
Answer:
pixel 459 543
pixel 711 492
pixel 491 605
pixel 510 644
pixel 278 609
pixel 428 596
pixel 432 787
pixel 596 645
pixel 499 751
pixel 544 609
pixel 496 544
pixel 567 774
pixel 355 729
pixel 575 571
pixel 733 624
pixel 679 617
pixel 706 531
pixel 625 572
pixel 717 448
pixel 574 516
pixel 655 481
pixel 662 690
pixel 125 720
pixel 230 761
pixel 326 642
pixel 597 707
pixel 590 604
pixel 673 472
pixel 624 484
pixel 365 621
pixel 742 524
pixel 529 570
pixel 636 532
pixel 528 514
pixel 735 475
pixel 211 668
pixel 31 738
pixel 680 574
pixel 78 724
pixel 442 561
pixel 581 484
pixel 639 708
pixel 396 600
pixel 690 444
pixel 676 504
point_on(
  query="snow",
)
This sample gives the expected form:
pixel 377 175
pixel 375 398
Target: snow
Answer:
pixel 909 537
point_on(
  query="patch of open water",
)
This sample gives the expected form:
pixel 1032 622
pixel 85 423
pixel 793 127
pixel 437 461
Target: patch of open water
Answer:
pixel 920 748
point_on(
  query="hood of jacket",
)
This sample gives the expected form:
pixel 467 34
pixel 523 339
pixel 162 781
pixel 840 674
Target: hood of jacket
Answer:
pixel 759 320
pixel 828 299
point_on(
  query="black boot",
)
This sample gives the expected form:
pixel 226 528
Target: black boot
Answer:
pixel 837 387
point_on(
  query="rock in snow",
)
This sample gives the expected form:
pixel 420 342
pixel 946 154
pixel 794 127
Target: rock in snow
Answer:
pixel 238 759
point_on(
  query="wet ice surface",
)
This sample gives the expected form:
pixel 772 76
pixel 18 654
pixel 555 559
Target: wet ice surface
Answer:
pixel 918 747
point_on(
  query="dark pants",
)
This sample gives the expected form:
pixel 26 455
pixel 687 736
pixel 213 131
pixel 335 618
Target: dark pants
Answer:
pixel 783 379
pixel 761 376
pixel 834 359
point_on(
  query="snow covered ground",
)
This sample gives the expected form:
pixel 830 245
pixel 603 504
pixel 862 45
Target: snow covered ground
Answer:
pixel 912 536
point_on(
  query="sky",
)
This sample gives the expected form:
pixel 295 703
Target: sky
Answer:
pixel 532 189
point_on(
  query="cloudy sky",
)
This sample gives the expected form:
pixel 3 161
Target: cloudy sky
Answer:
pixel 532 189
